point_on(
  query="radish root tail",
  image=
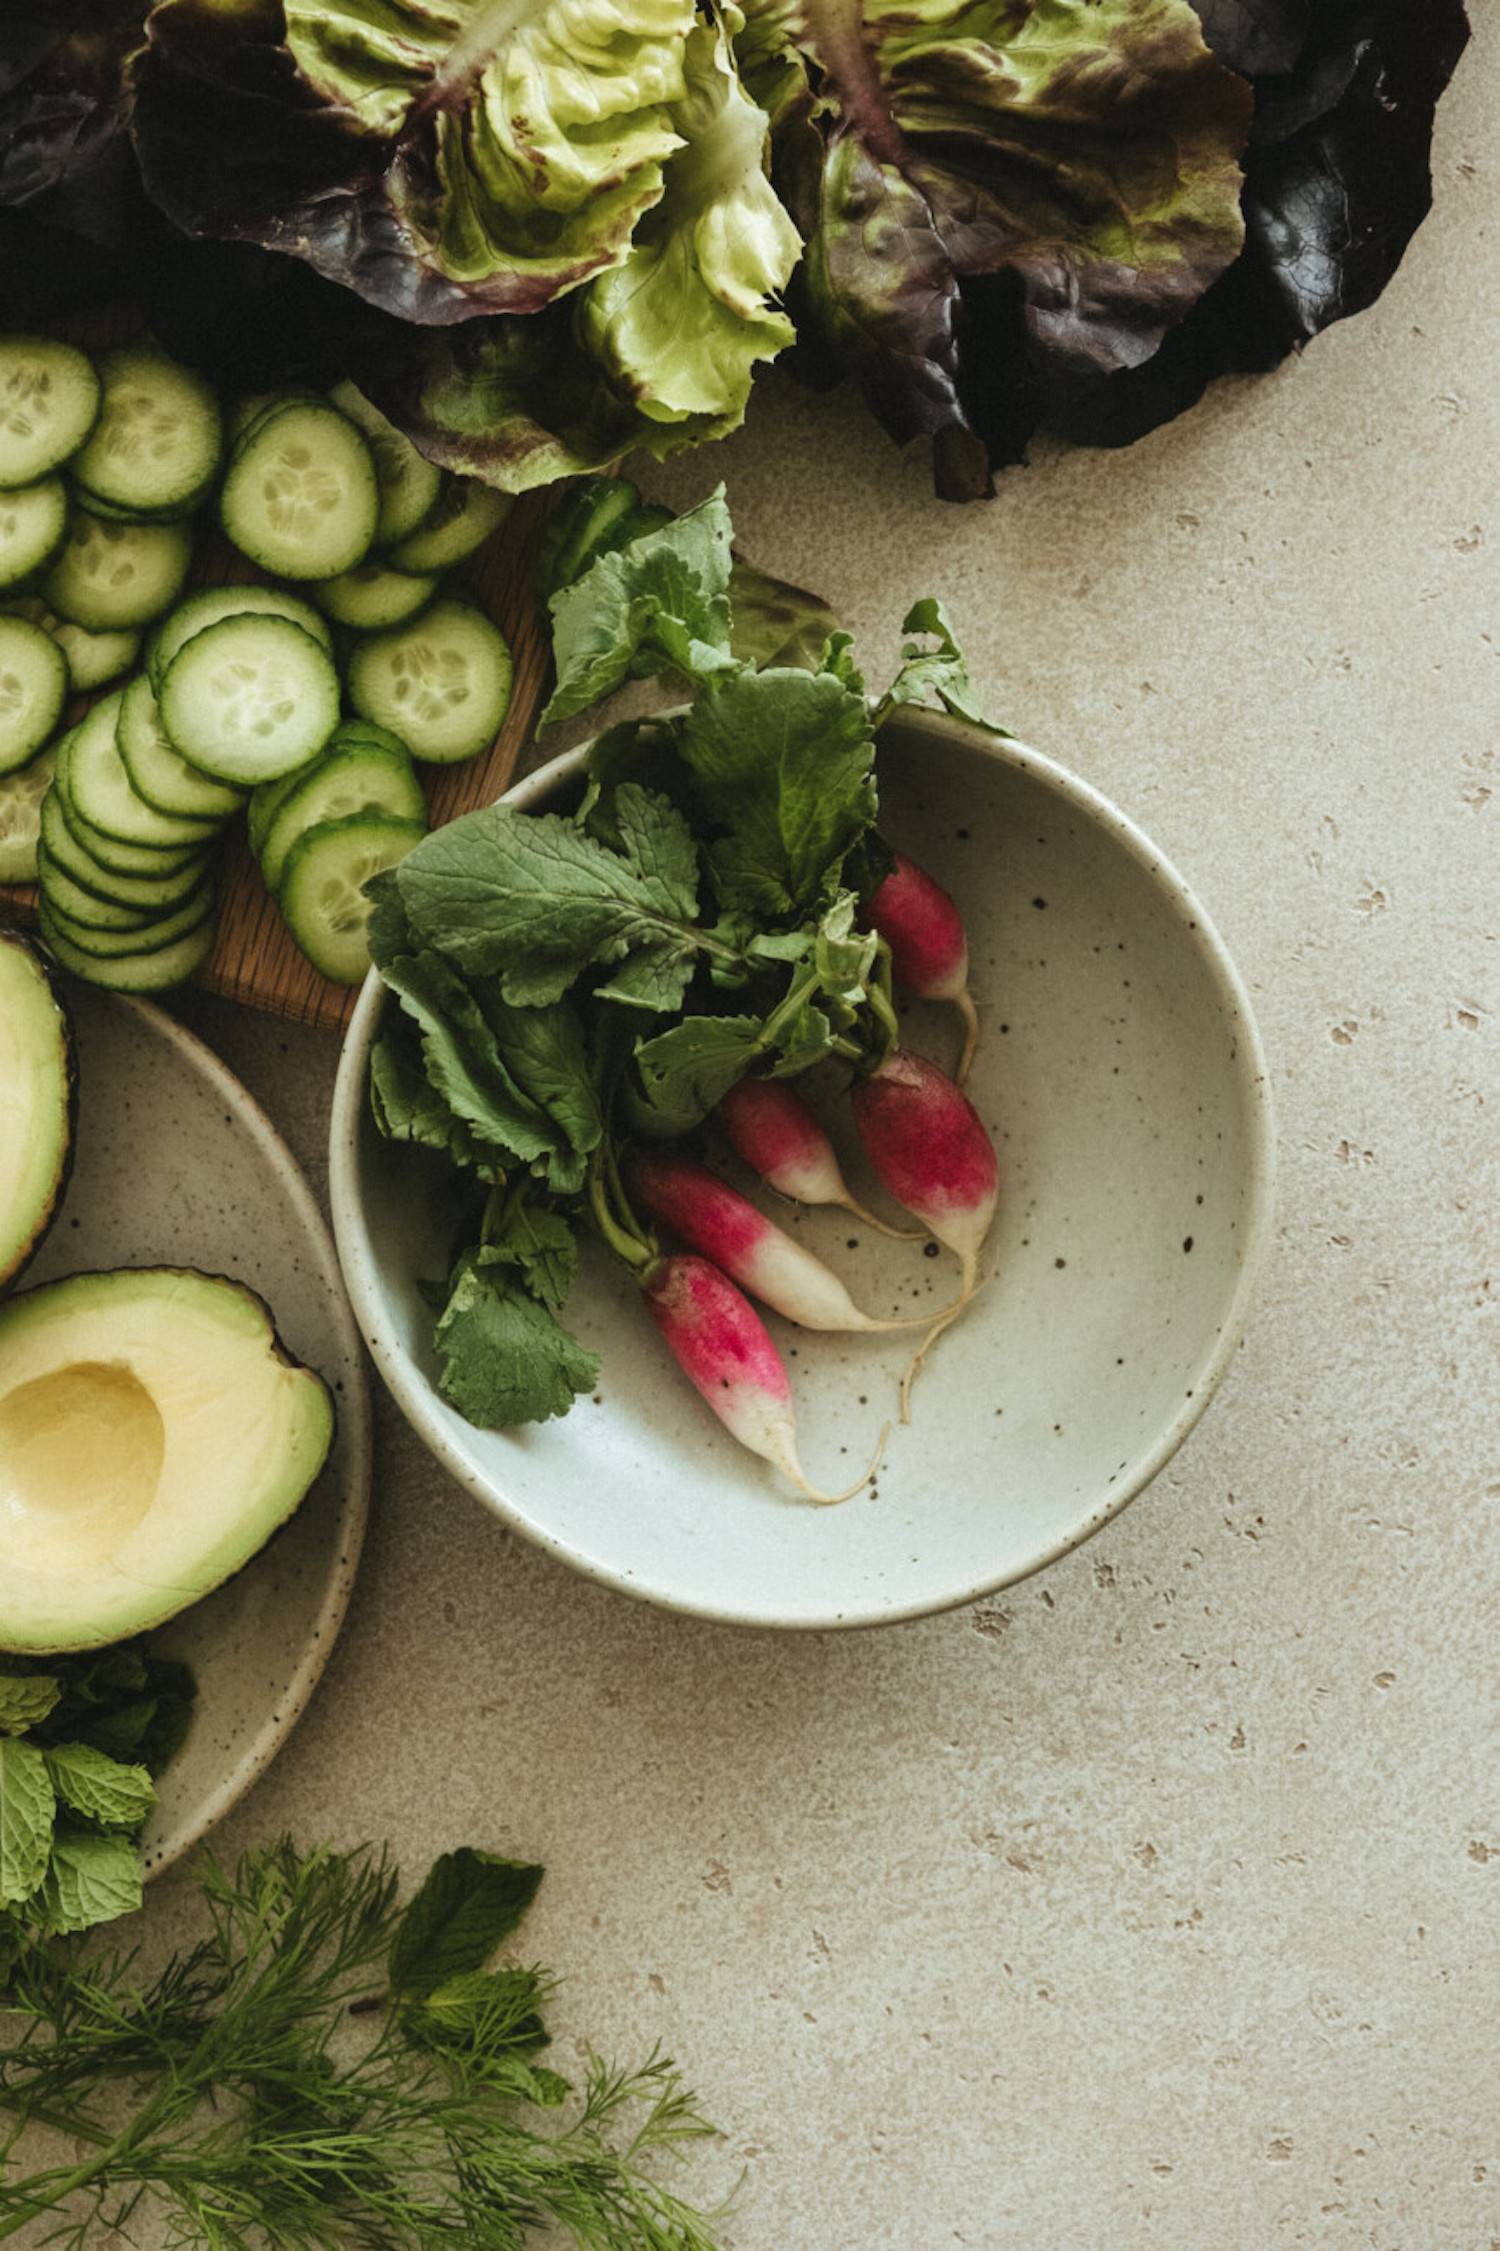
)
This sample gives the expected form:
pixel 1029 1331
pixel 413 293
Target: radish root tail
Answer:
pixel 970 1014
pixel 945 1320
pixel 883 1226
pixel 832 1500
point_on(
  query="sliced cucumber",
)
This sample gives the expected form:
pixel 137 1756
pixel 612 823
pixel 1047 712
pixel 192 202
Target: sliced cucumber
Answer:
pixel 94 659
pixel 301 497
pixel 70 899
pixel 409 483
pixel 22 795
pixel 349 734
pixel 93 778
pixel 356 780
pixel 33 690
pixel 371 597
pixel 158 772
pixel 157 442
pixel 322 887
pixel 111 576
pixel 33 527
pixel 149 936
pixel 459 521
pixel 442 683
pixel 119 855
pixel 49 397
pixel 250 698
pixel 153 972
pixel 252 414
pixel 150 892
pixel 211 603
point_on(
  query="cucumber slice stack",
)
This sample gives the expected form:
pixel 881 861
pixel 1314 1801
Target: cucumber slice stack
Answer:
pixel 118 812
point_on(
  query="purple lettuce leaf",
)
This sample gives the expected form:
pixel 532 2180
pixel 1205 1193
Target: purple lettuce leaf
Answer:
pixel 1338 179
pixel 1018 196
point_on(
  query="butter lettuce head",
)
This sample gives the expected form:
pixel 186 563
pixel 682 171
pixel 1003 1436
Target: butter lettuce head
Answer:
pixel 442 158
pixel 541 233
pixel 657 353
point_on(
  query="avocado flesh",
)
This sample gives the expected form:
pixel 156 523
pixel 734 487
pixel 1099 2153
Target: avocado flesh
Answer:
pixel 153 1435
pixel 37 1085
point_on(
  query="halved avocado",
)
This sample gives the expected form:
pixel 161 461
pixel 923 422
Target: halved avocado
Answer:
pixel 38 1101
pixel 153 1435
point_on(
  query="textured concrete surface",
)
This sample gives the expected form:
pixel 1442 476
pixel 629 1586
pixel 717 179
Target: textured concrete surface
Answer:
pixel 1156 1904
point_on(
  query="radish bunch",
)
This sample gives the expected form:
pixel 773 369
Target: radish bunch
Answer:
pixel 588 988
pixel 927 1145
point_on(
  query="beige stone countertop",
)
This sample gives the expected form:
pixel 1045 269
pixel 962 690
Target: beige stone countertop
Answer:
pixel 1157 1902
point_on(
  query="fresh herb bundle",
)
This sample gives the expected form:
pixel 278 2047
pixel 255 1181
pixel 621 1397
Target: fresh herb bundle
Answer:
pixel 80 1739
pixel 572 980
pixel 325 2067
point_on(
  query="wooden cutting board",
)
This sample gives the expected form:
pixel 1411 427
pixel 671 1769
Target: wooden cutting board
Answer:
pixel 254 959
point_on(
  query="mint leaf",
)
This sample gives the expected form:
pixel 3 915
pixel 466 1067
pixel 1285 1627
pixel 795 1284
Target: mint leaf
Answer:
pixel 659 604
pixel 469 1903
pixel 100 1788
pixel 28 1807
pixel 940 671
pixel 506 1358
pixel 782 763
pixel 685 1070
pixel 531 899
pixel 25 1700
pixel 89 1880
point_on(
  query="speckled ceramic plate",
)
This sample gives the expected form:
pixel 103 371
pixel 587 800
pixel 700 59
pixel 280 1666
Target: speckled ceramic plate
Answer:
pixel 176 1165
pixel 1122 1079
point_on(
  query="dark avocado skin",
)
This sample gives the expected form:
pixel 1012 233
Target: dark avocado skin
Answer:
pixel 47 974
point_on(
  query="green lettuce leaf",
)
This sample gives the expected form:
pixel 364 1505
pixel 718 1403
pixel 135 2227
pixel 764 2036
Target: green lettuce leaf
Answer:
pixel 441 158
pixel 682 321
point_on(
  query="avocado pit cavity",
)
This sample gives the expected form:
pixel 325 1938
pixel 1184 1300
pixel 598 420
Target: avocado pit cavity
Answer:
pixel 81 1453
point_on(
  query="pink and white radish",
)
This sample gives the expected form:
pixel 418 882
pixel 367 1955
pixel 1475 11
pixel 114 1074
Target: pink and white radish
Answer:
pixel 929 949
pixel 717 1220
pixel 774 1131
pixel 928 1146
pixel 723 1348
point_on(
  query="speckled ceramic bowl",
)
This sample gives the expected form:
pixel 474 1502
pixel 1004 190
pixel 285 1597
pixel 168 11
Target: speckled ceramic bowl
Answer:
pixel 1122 1078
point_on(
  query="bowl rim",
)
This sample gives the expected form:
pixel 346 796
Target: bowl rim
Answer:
pixel 412 1392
